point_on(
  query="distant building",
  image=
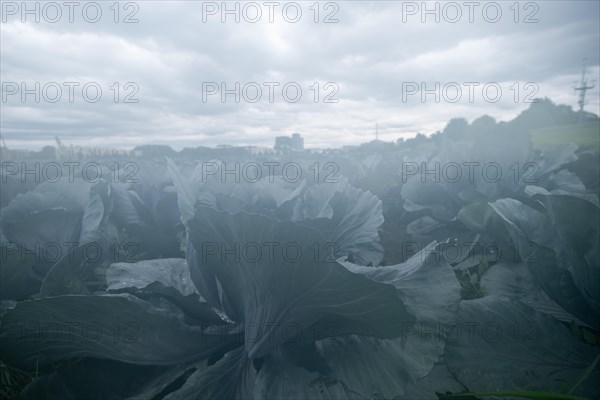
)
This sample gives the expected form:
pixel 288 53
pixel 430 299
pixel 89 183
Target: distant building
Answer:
pixel 297 142
pixel 283 142
pixel 294 142
pixel 256 150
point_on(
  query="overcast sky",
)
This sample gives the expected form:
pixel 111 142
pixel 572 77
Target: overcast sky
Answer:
pixel 177 56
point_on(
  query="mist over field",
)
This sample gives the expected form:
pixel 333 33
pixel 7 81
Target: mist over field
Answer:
pixel 299 200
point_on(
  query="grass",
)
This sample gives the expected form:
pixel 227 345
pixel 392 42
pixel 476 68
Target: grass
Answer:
pixel 523 394
pixel 585 135
pixel 470 280
pixel 566 393
pixel 13 380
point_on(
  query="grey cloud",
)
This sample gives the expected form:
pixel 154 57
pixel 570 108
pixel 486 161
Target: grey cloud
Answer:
pixel 368 54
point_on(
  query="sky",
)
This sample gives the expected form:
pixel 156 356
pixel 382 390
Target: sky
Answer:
pixel 188 74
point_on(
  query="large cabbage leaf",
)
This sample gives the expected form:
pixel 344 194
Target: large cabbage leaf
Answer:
pixel 271 290
pixel 500 343
pixel 117 327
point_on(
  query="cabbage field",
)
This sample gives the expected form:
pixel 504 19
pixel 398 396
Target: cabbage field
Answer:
pixel 460 270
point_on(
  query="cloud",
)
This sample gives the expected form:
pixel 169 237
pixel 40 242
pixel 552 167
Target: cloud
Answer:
pixel 165 60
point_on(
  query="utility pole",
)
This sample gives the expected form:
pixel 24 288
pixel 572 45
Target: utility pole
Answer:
pixel 582 89
pixel 6 152
pixel 60 149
